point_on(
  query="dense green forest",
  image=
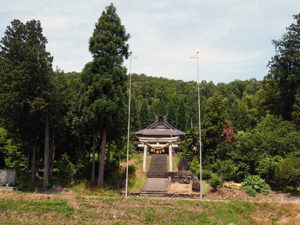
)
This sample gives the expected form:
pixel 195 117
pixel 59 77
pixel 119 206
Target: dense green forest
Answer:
pixel 69 127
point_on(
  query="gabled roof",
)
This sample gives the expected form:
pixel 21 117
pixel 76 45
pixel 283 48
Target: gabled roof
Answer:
pixel 160 128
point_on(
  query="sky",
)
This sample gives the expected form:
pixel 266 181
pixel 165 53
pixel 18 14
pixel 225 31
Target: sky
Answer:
pixel 233 37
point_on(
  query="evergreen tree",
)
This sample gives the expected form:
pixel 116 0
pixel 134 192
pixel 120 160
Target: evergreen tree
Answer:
pixel 25 66
pixel 285 67
pixel 181 116
pixel 172 112
pixel 145 115
pixel 104 78
pixel 213 124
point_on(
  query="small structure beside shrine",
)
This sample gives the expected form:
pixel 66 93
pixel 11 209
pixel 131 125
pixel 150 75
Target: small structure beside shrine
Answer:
pixel 159 138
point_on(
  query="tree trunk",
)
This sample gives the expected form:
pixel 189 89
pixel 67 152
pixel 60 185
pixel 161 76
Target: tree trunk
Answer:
pixel 52 158
pixel 93 162
pixel 102 157
pixel 33 164
pixel 46 154
pixel 108 153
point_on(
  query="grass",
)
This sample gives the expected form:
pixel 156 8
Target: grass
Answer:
pixel 137 182
pixel 107 210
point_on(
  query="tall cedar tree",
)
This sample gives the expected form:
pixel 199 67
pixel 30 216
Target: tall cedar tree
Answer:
pixel 24 77
pixel 285 67
pixel 212 126
pixel 107 90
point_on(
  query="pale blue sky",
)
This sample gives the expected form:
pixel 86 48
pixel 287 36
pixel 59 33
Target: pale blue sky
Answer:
pixel 233 37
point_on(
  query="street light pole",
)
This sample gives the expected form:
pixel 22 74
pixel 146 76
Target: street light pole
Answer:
pixel 128 126
pixel 199 118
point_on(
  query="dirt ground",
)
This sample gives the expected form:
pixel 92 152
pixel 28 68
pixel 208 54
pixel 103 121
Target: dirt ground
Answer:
pixel 231 191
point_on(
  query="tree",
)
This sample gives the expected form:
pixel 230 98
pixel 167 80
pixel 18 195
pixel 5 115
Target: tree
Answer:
pixel 285 67
pixel 296 112
pixel 213 125
pixel 172 111
pixel 181 116
pixel 145 115
pixel 24 92
pixel 104 78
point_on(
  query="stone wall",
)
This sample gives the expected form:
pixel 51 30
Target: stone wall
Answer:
pixel 182 177
pixel 8 177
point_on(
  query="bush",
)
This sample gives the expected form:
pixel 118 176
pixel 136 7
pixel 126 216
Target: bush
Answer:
pixel 226 169
pixel 266 167
pixel 255 184
pixel 287 172
pixel 66 170
pixel 206 174
pixel 195 167
pixel 215 182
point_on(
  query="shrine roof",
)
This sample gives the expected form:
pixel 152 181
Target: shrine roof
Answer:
pixel 160 128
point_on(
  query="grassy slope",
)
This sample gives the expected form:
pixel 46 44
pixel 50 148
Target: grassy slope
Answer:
pixel 70 209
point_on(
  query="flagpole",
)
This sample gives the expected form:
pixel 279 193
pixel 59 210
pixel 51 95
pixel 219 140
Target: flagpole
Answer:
pixel 199 118
pixel 128 127
pixel 199 124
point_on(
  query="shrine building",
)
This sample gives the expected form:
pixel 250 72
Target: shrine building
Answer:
pixel 159 138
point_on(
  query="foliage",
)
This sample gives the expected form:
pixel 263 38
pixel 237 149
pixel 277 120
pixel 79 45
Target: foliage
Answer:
pixel 226 169
pixel 195 167
pixel 215 182
pixel 206 174
pixel 213 125
pixel 296 111
pixel 284 67
pixel 11 156
pixel 287 172
pixel 255 184
pixel 272 137
pixel 228 133
pixel 103 102
pixel 266 167
pixel 66 170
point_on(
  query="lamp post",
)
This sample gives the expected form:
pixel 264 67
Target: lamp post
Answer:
pixel 128 126
pixel 199 118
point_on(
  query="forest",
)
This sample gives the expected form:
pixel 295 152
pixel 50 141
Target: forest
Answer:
pixel 68 127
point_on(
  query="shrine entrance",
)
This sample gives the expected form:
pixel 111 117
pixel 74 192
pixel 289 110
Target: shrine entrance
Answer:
pixel 159 138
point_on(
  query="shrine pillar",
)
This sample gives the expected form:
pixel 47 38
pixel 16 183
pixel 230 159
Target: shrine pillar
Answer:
pixel 145 157
pixel 170 157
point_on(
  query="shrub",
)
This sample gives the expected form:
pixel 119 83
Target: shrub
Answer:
pixel 215 182
pixel 206 174
pixel 226 169
pixel 195 167
pixel 287 172
pixel 255 184
pixel 66 170
pixel 266 167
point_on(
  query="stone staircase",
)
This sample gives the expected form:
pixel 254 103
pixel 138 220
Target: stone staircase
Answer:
pixel 157 178
pixel 158 167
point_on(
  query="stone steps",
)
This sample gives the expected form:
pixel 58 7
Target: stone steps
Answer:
pixel 157 178
pixel 153 194
pixel 157 175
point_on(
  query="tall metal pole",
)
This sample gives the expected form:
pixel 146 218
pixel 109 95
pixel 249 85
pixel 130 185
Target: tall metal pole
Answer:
pixel 128 127
pixel 199 117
